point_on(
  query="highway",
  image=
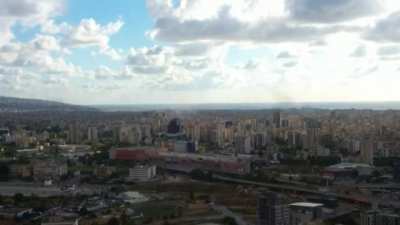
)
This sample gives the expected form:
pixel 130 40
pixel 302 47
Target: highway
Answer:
pixel 28 189
pixel 348 198
pixel 353 198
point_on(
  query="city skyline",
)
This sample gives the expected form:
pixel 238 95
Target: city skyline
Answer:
pixel 202 112
pixel 185 52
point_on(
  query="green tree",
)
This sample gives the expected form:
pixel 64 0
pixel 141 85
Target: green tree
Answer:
pixel 18 198
pixel 10 152
pixel 148 220
pixel 123 218
pixel 229 221
pixel 113 221
pixel 192 196
pixel 4 172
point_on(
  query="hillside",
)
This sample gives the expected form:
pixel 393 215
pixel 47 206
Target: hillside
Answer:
pixel 11 104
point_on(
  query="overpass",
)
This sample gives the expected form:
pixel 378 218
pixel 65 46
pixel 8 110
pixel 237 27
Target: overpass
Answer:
pixel 281 187
pixel 363 200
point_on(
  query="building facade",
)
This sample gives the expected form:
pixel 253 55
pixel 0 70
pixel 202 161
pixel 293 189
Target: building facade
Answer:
pixel 271 209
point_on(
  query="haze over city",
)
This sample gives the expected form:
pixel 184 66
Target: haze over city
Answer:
pixel 135 52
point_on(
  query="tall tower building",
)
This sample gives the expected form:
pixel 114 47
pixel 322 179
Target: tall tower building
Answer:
pixel 93 134
pixel 74 133
pixel 276 118
pixel 220 131
pixel 271 209
pixel 367 151
pixel 369 217
pixel 312 135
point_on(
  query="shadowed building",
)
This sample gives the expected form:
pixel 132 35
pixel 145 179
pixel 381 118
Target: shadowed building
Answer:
pixel 271 209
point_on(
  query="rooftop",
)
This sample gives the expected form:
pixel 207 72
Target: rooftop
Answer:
pixel 306 204
pixel 349 166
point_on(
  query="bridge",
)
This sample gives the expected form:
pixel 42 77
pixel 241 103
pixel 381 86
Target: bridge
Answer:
pixel 280 187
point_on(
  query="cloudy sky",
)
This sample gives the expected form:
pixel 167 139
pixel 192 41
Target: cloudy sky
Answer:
pixel 200 51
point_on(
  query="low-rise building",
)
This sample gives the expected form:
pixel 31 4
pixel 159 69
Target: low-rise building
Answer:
pixel 135 153
pixel 21 170
pixel 46 169
pixel 76 222
pixel 104 171
pixel 302 213
pixel 142 172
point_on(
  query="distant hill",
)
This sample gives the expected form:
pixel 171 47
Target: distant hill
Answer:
pixel 11 104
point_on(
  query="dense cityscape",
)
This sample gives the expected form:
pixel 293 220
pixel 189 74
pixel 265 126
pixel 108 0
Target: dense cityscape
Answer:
pixel 199 112
pixel 271 166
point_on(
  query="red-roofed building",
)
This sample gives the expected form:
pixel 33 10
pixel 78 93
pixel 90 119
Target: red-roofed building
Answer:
pixel 136 154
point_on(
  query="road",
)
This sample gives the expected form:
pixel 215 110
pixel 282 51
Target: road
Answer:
pixel 197 220
pixel 228 213
pixel 27 189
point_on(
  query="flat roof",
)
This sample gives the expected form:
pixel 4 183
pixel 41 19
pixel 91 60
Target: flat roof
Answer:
pixel 346 165
pixel 306 204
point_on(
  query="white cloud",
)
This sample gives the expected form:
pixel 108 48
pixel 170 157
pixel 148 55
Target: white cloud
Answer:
pixel 285 55
pixel 40 58
pixel 386 29
pixel 389 50
pixel 90 33
pixel 327 11
pixel 153 60
pixel 46 43
pixel 220 50
pixel 27 13
pixel 251 65
pixel 360 51
pixel 290 64
pixel 226 27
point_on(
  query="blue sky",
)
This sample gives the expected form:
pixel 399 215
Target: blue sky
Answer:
pixel 198 51
pixel 133 13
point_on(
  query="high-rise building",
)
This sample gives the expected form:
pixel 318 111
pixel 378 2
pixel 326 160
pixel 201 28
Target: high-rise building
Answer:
pixel 192 131
pixel 92 134
pixel 243 144
pixel 229 132
pixel 276 119
pixel 220 131
pixel 74 134
pixel 396 171
pixel 367 152
pixel 368 217
pixel 260 140
pixel 130 135
pixel 294 138
pixel 284 123
pixel 311 135
pixel 175 126
pixel 4 132
pixel 271 209
pixel 377 217
pixel 388 219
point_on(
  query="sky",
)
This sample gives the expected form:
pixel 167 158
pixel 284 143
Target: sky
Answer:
pixel 200 51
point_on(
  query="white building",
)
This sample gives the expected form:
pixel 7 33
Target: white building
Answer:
pixel 180 146
pixel 142 172
pixel 130 134
pixel 303 213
